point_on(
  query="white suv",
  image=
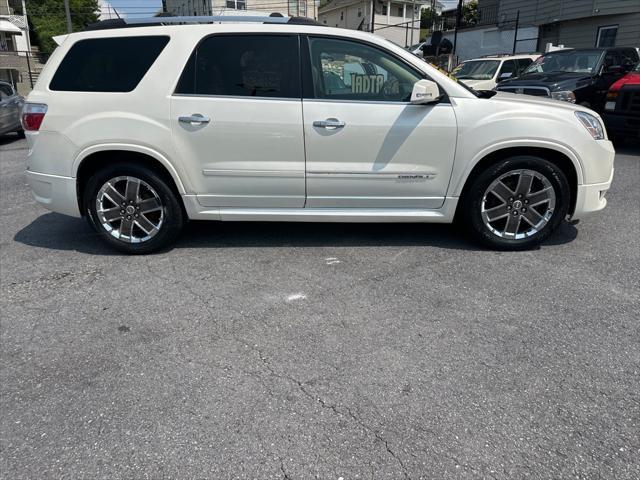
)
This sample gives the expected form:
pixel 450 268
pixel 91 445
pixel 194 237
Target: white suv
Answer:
pixel 139 129
pixel 486 72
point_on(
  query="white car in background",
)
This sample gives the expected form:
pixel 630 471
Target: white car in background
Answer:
pixel 486 72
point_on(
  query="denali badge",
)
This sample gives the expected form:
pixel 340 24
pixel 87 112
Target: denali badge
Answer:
pixel 425 176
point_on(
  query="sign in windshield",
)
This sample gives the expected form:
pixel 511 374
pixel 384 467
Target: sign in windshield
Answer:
pixel 476 70
pixel 575 61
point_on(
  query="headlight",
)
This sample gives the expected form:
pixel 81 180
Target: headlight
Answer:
pixel 592 124
pixel 564 95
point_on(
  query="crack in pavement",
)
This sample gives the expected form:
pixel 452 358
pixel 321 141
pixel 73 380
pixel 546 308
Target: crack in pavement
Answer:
pixel 335 410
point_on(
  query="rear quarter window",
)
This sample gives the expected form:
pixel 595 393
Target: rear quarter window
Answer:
pixel 107 64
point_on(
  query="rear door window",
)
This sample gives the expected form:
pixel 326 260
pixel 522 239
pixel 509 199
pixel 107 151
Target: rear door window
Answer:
pixel 250 65
pixel 107 64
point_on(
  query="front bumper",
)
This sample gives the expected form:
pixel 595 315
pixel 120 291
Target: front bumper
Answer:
pixel 54 192
pixel 591 199
pixel 618 124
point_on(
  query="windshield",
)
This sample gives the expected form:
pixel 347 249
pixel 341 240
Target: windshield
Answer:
pixel 476 70
pixel 577 61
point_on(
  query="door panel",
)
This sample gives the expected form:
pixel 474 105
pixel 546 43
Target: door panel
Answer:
pixel 386 155
pixel 236 120
pixel 250 154
pixel 366 146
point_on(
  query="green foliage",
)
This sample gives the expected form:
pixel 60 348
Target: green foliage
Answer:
pixel 427 18
pixel 470 14
pixel 47 19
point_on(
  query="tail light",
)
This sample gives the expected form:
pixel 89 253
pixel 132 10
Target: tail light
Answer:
pixel 32 116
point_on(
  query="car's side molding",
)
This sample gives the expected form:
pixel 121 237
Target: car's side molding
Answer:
pixel 105 147
pixel 458 183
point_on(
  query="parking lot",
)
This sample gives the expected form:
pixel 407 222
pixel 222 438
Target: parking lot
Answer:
pixel 324 351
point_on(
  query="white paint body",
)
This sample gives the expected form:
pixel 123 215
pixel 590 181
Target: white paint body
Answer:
pixel 492 82
pixel 262 159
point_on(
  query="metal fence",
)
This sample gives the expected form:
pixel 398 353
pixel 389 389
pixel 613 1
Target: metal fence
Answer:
pixel 458 35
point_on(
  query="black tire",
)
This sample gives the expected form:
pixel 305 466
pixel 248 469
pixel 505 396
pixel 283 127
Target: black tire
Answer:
pixel 20 134
pixel 472 202
pixel 170 209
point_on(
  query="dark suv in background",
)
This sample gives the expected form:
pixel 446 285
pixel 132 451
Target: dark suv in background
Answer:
pixel 581 76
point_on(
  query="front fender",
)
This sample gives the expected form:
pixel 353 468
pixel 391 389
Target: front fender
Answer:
pixel 458 184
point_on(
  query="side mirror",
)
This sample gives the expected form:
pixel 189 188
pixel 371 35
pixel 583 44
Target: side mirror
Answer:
pixel 425 91
pixel 613 69
pixel 505 75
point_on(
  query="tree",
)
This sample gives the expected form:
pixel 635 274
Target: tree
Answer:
pixel 428 18
pixel 470 13
pixel 47 19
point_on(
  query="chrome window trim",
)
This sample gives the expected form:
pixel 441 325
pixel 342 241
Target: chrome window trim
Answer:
pixel 236 97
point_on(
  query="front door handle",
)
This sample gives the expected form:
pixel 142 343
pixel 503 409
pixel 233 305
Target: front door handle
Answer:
pixel 195 118
pixel 329 123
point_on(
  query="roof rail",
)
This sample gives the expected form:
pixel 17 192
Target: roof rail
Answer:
pixel 182 20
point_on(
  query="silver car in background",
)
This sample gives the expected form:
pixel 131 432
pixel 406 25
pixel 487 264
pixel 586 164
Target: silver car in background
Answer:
pixel 10 110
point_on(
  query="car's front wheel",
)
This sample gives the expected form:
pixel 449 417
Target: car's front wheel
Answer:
pixel 516 203
pixel 133 208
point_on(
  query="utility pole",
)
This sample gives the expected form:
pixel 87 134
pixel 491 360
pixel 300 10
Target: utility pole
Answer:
pixel 455 32
pixel 515 34
pixel 68 14
pixel 26 22
pixel 373 15
pixel 413 23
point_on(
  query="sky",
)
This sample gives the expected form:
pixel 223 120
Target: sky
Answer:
pixel 136 8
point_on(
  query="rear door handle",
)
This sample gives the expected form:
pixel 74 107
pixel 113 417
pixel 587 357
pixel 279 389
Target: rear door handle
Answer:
pixel 195 118
pixel 329 123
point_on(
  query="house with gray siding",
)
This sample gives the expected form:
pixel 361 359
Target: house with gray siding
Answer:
pixel 575 23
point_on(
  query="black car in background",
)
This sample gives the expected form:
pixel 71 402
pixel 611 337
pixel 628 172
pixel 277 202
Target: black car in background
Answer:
pixel 581 76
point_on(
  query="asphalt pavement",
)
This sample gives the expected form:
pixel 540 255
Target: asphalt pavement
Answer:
pixel 299 351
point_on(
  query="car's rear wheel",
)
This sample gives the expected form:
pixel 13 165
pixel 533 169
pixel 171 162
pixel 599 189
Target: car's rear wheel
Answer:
pixel 133 208
pixel 516 203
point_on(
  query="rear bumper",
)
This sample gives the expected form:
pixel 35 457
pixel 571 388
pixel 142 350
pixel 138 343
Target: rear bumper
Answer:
pixel 591 199
pixel 54 192
pixel 617 124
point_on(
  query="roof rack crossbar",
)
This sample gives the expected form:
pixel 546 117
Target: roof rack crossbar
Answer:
pixel 207 19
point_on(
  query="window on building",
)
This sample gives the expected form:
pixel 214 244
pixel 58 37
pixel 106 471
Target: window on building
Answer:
pixel 346 70
pixel 341 15
pixel 243 66
pixel 400 12
pixel 359 12
pixel 607 36
pixel 237 4
pixel 107 64
pixel 384 9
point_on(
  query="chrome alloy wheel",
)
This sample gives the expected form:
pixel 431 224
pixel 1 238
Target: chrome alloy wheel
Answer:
pixel 518 204
pixel 129 209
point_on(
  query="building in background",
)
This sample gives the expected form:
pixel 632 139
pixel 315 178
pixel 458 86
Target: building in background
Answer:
pixel 397 20
pixel 578 23
pixel 526 26
pixel 15 45
pixel 296 8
